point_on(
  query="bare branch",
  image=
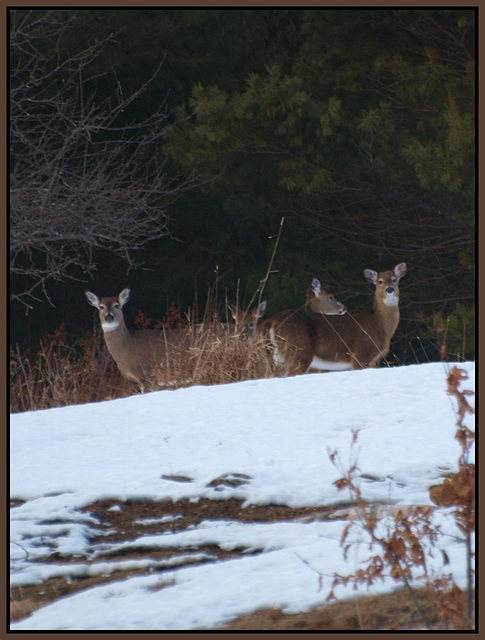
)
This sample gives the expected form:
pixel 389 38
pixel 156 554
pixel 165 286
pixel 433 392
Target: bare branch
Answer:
pixel 84 177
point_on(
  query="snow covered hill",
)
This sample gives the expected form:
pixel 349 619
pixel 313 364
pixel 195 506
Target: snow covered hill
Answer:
pixel 273 437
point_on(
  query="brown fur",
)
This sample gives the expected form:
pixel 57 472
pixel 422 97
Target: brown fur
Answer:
pixel 142 356
pixel 343 342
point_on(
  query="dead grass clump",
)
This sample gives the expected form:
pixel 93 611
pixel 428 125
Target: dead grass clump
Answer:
pixel 62 374
pixel 394 611
pixel 229 358
pixel 212 355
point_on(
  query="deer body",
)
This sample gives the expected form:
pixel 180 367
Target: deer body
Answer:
pixel 137 353
pixel 303 339
pixel 142 356
pixel 319 301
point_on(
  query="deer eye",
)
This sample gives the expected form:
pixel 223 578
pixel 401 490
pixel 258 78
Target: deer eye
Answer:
pixel 101 306
pixel 381 281
pixel 116 306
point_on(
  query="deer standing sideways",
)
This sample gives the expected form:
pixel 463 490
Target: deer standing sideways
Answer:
pixel 321 300
pixel 318 299
pixel 305 339
pixel 141 355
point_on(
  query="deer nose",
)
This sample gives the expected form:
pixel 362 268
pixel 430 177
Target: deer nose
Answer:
pixel 390 289
pixel 109 317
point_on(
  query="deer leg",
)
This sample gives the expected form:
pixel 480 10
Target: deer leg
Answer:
pixel 357 364
pixel 299 362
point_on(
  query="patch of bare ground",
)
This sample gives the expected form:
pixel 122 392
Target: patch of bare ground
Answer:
pixel 132 518
pixel 123 521
pixel 392 611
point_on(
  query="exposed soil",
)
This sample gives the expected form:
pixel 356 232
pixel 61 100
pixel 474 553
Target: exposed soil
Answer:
pixel 120 521
pixel 395 611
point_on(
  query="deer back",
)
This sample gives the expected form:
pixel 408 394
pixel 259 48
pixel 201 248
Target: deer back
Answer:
pixel 303 338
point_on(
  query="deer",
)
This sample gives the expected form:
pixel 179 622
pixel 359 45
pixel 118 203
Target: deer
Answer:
pixel 318 300
pixel 321 300
pixel 141 354
pixel 246 321
pixel 304 340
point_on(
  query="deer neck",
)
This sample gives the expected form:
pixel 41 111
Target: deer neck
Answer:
pixel 386 315
pixel 116 338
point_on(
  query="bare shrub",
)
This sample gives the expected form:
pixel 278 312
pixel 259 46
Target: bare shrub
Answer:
pixel 83 176
pixel 61 374
pixel 405 536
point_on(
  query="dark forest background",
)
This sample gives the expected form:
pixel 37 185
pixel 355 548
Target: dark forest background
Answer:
pixel 160 148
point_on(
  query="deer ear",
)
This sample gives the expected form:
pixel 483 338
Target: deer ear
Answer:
pixel 400 270
pixel 92 299
pixel 315 286
pixel 124 297
pixel 370 275
pixel 233 309
pixel 262 309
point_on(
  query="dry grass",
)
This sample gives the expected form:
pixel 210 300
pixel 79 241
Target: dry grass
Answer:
pixel 213 356
pixel 390 612
pixel 62 374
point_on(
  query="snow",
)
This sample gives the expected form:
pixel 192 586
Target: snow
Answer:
pixel 277 434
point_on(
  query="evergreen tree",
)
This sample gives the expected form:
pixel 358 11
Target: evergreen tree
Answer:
pixel 357 125
pixel 368 137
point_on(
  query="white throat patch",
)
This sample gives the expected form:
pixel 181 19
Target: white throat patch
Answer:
pixel 391 300
pixel 110 326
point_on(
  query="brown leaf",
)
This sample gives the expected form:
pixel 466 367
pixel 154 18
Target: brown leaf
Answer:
pixel 341 483
pixel 330 597
pixel 443 495
pixel 398 546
